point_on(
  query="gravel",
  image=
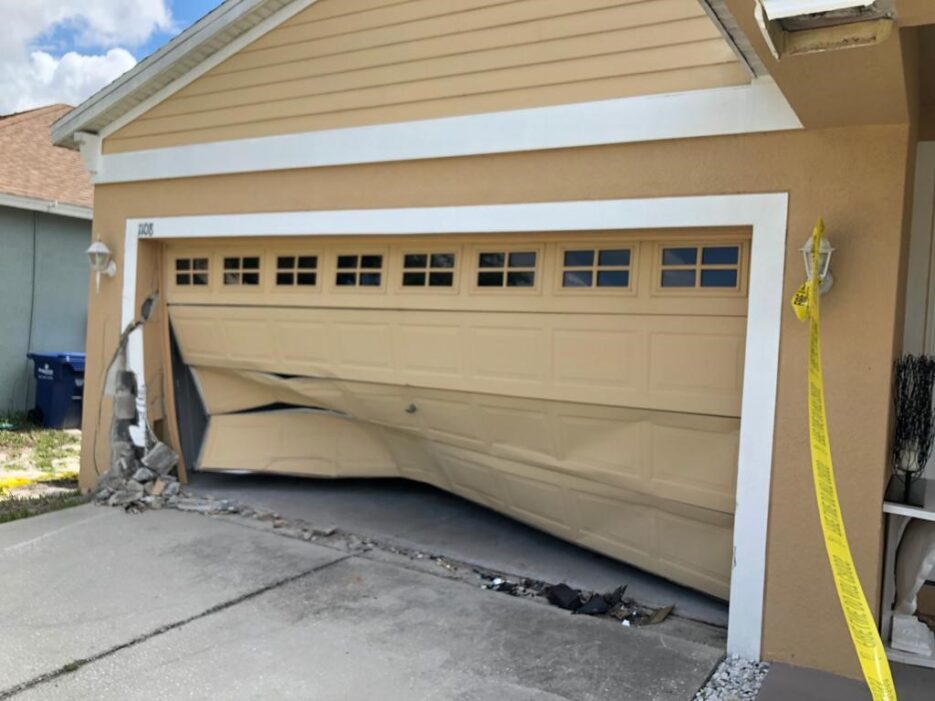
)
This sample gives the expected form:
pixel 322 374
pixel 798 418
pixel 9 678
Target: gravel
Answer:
pixel 735 679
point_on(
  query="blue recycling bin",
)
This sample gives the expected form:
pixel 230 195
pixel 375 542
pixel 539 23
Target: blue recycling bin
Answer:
pixel 59 389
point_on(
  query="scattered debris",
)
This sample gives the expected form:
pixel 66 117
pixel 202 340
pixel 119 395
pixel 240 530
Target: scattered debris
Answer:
pixel 442 562
pixel 595 606
pixel 735 679
pixel 144 474
pixel 613 604
pixel 661 615
pixel 131 492
pixel 564 597
pixel 200 506
pixel 599 604
pixel 522 588
pixel 161 459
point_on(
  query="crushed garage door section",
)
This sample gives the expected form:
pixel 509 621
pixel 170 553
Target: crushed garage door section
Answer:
pixel 610 420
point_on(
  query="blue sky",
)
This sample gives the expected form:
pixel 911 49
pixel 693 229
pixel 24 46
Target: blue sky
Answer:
pixel 66 36
pixel 66 50
pixel 185 13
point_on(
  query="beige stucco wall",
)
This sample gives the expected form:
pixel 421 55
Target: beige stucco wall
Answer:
pixel 854 177
pixel 343 63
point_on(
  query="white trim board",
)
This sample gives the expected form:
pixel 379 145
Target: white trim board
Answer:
pixel 36 204
pixel 781 9
pixel 757 107
pixel 765 213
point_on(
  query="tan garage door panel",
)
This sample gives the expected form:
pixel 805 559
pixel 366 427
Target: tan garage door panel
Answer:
pixel 684 458
pixel 299 442
pixel 685 543
pixel 674 363
pixel 607 414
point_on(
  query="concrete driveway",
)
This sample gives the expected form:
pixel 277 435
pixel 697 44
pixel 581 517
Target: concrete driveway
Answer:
pixel 100 604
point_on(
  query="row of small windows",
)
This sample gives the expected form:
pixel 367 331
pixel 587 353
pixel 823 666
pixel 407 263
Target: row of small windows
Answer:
pixel 242 271
pixel 359 271
pixel 681 267
pixel 297 271
pixel 507 269
pixel 428 270
pixel 191 271
pixel 596 268
pixel 700 266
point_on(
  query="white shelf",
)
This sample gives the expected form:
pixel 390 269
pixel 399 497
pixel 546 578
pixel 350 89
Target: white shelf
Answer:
pixel 910 658
pixel 926 513
pixel 898 517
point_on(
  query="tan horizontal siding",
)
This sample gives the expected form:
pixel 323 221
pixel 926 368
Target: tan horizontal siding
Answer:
pixel 429 18
pixel 376 68
pixel 344 92
pixel 359 50
pixel 671 81
pixel 344 63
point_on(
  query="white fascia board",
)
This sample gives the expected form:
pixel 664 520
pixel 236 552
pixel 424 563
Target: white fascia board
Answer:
pixel 757 107
pixel 765 213
pixel 48 206
pixel 781 9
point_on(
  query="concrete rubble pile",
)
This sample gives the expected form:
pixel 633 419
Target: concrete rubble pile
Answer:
pixel 135 482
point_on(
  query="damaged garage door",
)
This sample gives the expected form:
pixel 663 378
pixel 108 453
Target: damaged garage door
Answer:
pixel 588 384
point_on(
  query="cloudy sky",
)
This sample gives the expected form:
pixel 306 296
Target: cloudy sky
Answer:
pixel 65 50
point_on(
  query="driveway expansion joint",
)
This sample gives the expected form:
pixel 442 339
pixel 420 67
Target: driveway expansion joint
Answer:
pixel 75 665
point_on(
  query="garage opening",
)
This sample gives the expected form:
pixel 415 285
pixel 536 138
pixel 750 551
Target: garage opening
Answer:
pixel 586 383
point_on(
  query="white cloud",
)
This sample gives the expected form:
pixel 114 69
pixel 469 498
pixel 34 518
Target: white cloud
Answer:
pixel 97 32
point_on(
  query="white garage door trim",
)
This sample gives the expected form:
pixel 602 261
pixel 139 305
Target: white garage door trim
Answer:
pixel 765 213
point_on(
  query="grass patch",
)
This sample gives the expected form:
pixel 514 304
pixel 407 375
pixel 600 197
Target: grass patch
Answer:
pixel 35 447
pixel 37 469
pixel 25 446
pixel 16 508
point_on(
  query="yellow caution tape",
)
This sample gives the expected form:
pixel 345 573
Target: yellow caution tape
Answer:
pixel 860 622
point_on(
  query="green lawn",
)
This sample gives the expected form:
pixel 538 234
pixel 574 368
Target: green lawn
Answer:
pixel 38 469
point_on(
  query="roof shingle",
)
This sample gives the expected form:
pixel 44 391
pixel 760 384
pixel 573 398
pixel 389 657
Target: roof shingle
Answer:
pixel 30 166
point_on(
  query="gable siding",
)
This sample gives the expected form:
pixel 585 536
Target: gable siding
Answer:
pixel 344 63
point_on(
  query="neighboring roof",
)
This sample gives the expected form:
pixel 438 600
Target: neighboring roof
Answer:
pixel 32 169
pixel 212 33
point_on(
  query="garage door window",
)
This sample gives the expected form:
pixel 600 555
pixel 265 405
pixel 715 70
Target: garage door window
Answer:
pixel 242 271
pixel 700 267
pixel 359 271
pixel 191 271
pixel 428 269
pixel 296 271
pixel 584 268
pixel 506 269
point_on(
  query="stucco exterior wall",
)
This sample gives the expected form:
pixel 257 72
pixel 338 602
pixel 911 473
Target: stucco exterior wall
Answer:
pixel 854 177
pixel 43 295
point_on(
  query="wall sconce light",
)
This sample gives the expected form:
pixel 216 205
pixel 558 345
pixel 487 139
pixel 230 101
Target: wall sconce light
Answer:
pixel 825 278
pixel 102 262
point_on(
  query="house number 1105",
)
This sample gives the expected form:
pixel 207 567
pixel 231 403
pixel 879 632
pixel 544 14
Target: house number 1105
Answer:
pixel 146 229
